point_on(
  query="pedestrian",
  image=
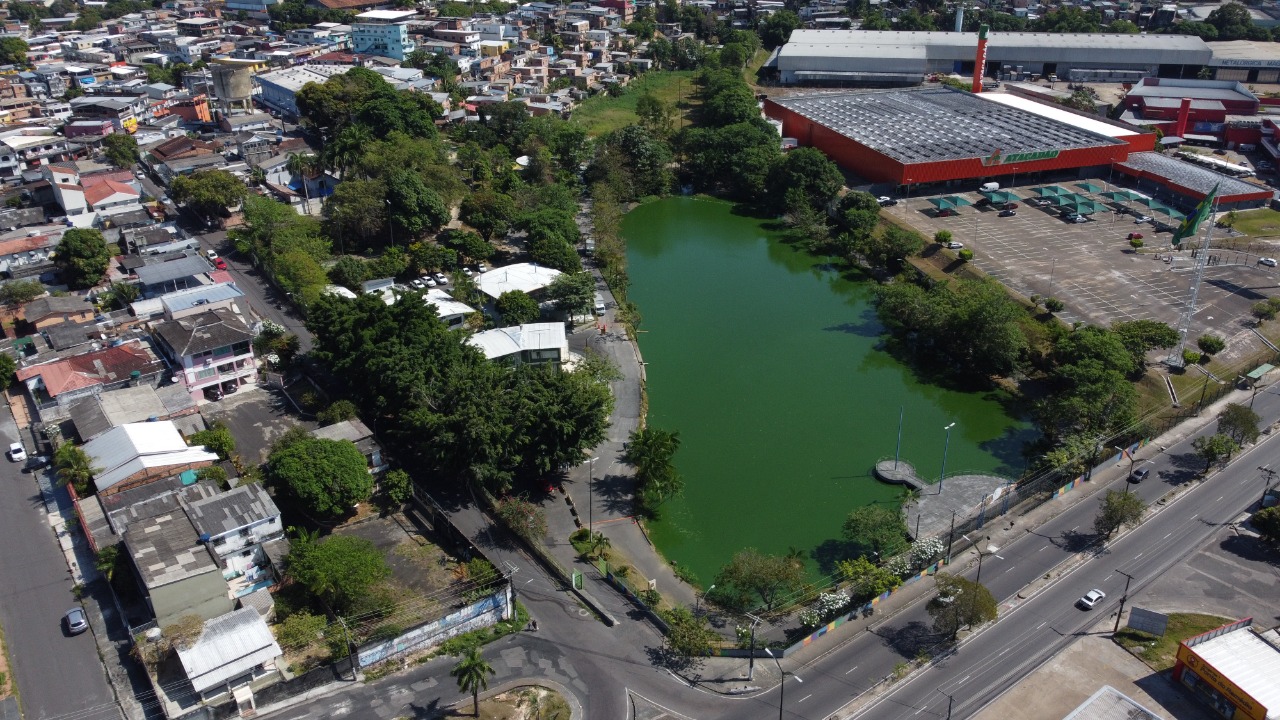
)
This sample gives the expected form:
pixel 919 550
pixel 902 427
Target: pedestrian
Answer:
pixel 535 625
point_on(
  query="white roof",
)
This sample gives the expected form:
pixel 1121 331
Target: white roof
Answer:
pixel 127 449
pixel 388 15
pixel 1249 662
pixel 1058 115
pixel 526 277
pixel 229 646
pixel 502 342
pixel 339 291
pixel 445 304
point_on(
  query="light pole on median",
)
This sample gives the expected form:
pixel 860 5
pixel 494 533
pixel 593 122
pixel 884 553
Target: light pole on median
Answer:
pixel 977 547
pixel 591 473
pixel 782 681
pixel 698 605
pixel 945 447
pixel 1132 459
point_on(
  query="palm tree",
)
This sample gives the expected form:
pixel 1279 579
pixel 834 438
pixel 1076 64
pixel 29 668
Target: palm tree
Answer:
pixel 600 543
pixel 299 165
pixel 473 674
pixel 74 466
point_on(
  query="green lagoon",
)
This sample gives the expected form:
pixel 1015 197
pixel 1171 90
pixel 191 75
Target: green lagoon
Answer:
pixel 766 361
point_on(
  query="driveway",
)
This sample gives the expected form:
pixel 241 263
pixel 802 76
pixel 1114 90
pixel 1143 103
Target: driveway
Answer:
pixel 57 676
pixel 257 417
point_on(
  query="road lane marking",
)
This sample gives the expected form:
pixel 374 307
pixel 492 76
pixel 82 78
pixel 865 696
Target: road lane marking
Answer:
pixel 1220 498
pixel 1046 622
pixel 806 697
pixel 1046 546
pixel 966 677
pixel 1009 568
pixel 1166 537
pixel 855 667
pixel 1073 529
pixel 922 709
pixel 1135 557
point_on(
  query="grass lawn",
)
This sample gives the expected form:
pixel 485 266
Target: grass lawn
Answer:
pixel 602 114
pixel 1262 222
pixel 1160 652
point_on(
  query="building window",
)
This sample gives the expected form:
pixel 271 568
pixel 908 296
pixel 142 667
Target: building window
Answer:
pixel 206 373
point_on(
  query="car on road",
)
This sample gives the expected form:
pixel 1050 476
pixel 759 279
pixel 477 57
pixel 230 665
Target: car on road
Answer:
pixel 1090 599
pixel 1269 262
pixel 1142 219
pixel 220 264
pixel 417 284
pixel 1008 213
pixel 886 201
pixel 211 254
pixel 1140 474
pixel 76 621
pixel 954 245
pixel 36 462
pixel 481 267
pixel 17 453
pixel 441 279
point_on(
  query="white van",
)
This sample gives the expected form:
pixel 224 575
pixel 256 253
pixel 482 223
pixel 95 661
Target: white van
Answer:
pixel 599 308
pixel 990 187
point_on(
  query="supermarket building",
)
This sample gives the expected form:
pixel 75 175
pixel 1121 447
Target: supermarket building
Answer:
pixel 1234 669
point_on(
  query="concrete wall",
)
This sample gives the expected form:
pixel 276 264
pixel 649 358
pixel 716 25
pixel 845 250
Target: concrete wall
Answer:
pixel 204 595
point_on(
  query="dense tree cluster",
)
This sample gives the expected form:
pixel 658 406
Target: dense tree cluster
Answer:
pixel 448 410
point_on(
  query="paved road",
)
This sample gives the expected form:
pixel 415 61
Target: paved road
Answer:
pixel 59 677
pixel 1029 632
pixel 266 301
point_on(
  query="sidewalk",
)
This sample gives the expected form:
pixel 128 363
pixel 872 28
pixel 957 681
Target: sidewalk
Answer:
pixel 727 676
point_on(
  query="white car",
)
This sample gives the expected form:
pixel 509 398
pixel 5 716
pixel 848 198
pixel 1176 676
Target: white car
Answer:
pixel 482 267
pixel 467 271
pixel 955 245
pixel 417 284
pixel 1269 262
pixel 17 453
pixel 441 279
pixel 430 282
pixel 886 201
pixel 1142 219
pixel 211 254
pixel 1090 599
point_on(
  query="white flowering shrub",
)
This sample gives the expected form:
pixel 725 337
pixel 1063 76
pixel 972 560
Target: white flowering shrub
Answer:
pixel 924 552
pixel 828 606
pixel 899 565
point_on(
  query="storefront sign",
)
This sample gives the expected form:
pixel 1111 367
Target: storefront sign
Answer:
pixel 999 158
pixel 1246 707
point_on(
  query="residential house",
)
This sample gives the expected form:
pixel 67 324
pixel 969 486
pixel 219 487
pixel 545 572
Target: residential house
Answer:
pixel 235 525
pixel 203 299
pixel 384 33
pixel 53 310
pixel 28 256
pixel 235 654
pixel 19 152
pixel 176 571
pixel 57 384
pixel 533 343
pixel 212 349
pixel 163 277
pixel 361 436
pixel 141 403
pixel 453 313
pixel 136 454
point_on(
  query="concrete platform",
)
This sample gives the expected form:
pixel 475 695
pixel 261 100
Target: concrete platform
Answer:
pixel 929 515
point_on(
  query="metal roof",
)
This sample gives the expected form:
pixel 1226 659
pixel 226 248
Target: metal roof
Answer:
pixel 227 512
pixel 937 123
pixel 1111 704
pixel 1249 662
pixel 202 295
pixel 1193 177
pixel 1196 90
pixel 501 342
pixel 230 646
pixel 164 272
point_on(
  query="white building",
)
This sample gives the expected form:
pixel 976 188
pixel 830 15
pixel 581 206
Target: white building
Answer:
pixel 236 654
pixel 532 343
pixel 452 312
pixel 528 278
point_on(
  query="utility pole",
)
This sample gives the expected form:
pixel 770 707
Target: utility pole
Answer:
pixel 951 536
pixel 950 701
pixel 1268 475
pixel 1127 579
pixel 751 660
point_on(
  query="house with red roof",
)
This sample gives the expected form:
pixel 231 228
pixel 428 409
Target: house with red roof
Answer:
pixel 85 199
pixel 56 385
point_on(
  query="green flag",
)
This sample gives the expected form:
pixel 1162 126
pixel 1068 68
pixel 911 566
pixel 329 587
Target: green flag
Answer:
pixel 1191 223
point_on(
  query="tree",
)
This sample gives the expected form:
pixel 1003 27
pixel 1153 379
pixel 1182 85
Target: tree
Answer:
pixel 300 629
pixel 650 451
pixel 13 50
pixel 491 213
pixel 397 486
pixel 867 579
pixel 1264 310
pixel 337 412
pixel 210 193
pixel 517 308
pixel 467 244
pixel 1267 523
pixel 329 477
pixel 1054 305
pixel 1239 423
pixel 654 114
pixel 472 674
pixel 217 439
pixel 122 294
pixel 21 292
pixel 121 149
pixel 300 166
pixel 1141 336
pixel 770 578
pixel 688 635
pixel 339 570
pixel 1117 510
pixel 82 256
pixel 876 529
pixel 960 603
pixel 8 370
pixel 415 208
pixel 1211 344
pixel 777 28
pixel 349 271
pixel 1212 448
pixel 74 467
pixel 806 176
pixel 573 293
pixel 524 518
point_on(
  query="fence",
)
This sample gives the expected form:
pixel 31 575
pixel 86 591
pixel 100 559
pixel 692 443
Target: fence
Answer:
pixel 635 595
pixel 482 613
pixel 317 677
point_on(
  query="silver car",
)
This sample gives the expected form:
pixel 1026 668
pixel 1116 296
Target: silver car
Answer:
pixel 76 621
pixel 1090 599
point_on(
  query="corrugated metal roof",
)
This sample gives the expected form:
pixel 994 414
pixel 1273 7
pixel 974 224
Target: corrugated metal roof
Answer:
pixel 1249 662
pixel 230 645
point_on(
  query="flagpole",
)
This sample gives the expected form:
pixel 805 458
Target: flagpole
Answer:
pixel 1206 210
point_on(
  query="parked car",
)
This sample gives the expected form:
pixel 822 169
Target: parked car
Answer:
pixel 1008 213
pixel 441 279
pixel 467 271
pixel 220 264
pixel 213 393
pixel 417 284
pixel 1090 599
pixel 481 267
pixel 429 282
pixel 1140 473
pixel 954 245
pixel 1269 262
pixel 947 213
pixel 886 201
pixel 211 254
pixel 77 622
pixel 230 387
pixel 17 453
pixel 36 462
pixel 1142 219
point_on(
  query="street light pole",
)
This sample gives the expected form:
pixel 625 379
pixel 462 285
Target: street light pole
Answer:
pixel 1127 579
pixel 1132 458
pixel 1268 475
pixel 698 605
pixel 782 681
pixel 951 535
pixel 751 659
pixel 591 496
pixel 977 547
pixel 946 446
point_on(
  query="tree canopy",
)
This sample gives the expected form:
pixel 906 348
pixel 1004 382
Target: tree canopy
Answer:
pixel 82 257
pixel 210 193
pixel 121 149
pixel 338 570
pixel 752 574
pixel 327 476
pixel 876 529
pixel 960 603
pixel 1117 510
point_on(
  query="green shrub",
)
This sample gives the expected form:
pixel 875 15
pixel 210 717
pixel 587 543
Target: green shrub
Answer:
pixel 1190 357
pixel 1053 305
pixel 1135 243
pixel 942 237
pixel 965 254
pixel 1211 344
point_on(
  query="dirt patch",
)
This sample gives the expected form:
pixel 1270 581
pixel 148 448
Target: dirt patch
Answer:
pixel 6 677
pixel 527 703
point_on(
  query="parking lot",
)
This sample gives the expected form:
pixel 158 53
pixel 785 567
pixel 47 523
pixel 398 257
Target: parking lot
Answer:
pixel 1091 268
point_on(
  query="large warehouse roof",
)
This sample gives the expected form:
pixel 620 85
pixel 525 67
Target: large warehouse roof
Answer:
pixel 867 43
pixel 1060 114
pixel 1193 177
pixel 937 123
pixel 1221 90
